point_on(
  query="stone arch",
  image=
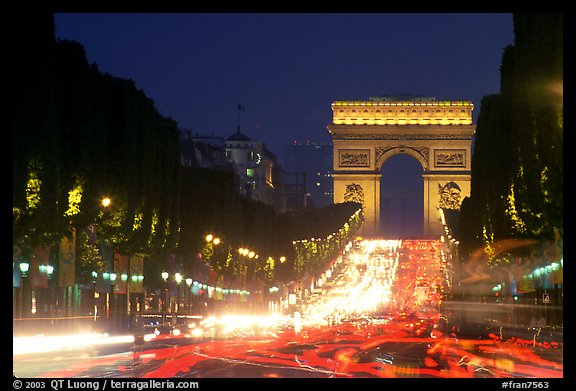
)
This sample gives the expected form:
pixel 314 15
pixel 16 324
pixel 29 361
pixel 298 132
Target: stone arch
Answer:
pixel 371 132
pixel 420 154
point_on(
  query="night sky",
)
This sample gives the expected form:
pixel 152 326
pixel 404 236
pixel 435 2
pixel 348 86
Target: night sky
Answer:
pixel 286 68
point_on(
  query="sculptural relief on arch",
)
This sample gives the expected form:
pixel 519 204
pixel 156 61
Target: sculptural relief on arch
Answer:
pixel 436 133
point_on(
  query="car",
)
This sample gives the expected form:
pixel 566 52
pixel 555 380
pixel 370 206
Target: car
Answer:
pixel 162 325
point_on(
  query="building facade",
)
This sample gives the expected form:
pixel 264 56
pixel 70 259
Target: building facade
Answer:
pixel 206 151
pixel 260 175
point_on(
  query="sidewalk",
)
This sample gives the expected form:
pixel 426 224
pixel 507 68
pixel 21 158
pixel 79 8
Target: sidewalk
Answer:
pixel 472 320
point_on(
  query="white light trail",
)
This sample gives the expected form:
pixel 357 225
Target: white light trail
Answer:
pixel 44 344
pixel 366 288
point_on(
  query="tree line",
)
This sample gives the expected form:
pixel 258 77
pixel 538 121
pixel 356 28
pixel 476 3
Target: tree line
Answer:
pixel 517 166
pixel 80 135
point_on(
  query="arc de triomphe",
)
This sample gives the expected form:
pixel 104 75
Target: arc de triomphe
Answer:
pixel 367 133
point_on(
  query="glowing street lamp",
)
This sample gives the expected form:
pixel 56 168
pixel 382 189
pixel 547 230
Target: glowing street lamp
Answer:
pixel 178 278
pixel 50 271
pixel 212 239
pixel 106 201
pixel 189 292
pixel 165 306
pixel 24 267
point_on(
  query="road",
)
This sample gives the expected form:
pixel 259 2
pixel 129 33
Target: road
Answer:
pixel 380 314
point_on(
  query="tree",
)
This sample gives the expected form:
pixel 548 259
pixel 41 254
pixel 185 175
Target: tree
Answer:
pixel 517 180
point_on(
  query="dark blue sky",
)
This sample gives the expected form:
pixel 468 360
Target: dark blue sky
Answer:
pixel 286 69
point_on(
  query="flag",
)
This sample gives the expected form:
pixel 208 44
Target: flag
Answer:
pixel 15 275
pixel 16 259
pixel 241 108
pixel 67 257
pixel 558 245
pixel 16 254
pixel 107 256
pixel 38 274
pixel 136 269
pixel 91 232
pixel 558 274
pixel 120 267
pixel 212 277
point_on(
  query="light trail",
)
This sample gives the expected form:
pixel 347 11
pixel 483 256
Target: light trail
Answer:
pixel 381 319
pixel 46 344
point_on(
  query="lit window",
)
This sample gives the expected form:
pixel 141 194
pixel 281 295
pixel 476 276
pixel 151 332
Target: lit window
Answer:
pixel 317 183
pixel 249 172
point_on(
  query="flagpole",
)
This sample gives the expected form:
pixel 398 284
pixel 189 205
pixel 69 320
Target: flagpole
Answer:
pixel 240 108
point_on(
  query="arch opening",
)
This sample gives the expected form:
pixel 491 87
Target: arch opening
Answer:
pixel 401 197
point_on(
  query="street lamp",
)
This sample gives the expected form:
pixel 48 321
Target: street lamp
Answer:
pixel 111 302
pixel 189 283
pixel 211 238
pixel 111 279
pixel 24 267
pixel 94 295
pixel 106 201
pixel 178 278
pixel 124 278
pixel 165 305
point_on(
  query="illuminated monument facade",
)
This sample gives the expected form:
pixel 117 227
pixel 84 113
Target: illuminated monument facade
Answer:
pixel 436 133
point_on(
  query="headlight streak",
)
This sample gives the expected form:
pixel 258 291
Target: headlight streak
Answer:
pixel 365 293
pixel 45 344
